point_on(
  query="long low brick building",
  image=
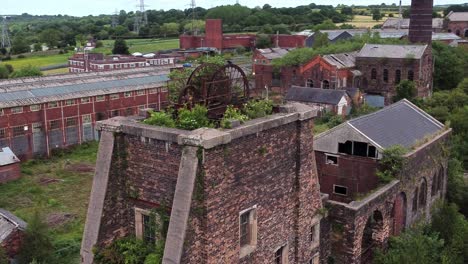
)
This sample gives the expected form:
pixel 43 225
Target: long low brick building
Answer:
pixel 38 115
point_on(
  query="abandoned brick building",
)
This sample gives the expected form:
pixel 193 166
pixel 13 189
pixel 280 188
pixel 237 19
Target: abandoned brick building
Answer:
pixel 457 22
pixel 11 233
pixel 40 114
pixel 363 211
pixel 249 194
pixel 9 165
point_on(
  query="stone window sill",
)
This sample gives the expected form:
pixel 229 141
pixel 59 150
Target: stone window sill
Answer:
pixel 246 250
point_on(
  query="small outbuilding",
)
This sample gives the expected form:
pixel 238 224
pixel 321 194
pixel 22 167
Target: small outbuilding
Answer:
pixel 11 233
pixel 326 100
pixel 9 165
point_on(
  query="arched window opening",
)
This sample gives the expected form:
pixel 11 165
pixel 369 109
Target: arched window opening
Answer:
pixel 397 76
pixel 415 200
pixel 385 75
pixel 373 74
pixel 423 193
pixel 325 84
pixel 410 75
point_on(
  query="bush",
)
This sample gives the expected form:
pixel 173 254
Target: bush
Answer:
pixel 28 71
pixel 391 163
pixel 3 257
pixel 127 250
pixel 21 56
pixel 255 109
pixel 232 113
pixel 37 243
pixel 160 119
pixel 192 119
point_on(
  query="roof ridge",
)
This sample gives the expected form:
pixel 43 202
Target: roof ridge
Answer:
pixel 378 111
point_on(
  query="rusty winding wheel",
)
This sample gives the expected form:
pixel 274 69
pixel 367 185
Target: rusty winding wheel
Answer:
pixel 215 87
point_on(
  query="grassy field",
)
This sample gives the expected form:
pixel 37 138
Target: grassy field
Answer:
pixel 142 45
pixel 56 71
pixel 364 21
pixel 59 189
pixel 135 45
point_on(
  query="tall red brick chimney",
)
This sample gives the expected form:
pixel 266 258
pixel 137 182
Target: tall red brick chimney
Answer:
pixel 420 29
pixel 214 34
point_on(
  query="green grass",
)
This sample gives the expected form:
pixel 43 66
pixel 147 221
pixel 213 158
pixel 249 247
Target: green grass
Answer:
pixel 142 45
pixel 39 61
pixel 69 195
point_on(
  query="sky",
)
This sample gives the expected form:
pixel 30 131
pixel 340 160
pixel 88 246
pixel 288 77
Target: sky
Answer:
pixel 96 7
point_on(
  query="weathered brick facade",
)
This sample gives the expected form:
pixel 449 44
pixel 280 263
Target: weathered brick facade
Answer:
pixel 10 172
pixel 267 164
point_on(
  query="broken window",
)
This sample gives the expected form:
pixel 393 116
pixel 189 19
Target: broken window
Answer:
pixel 346 148
pixel 360 149
pixel 337 189
pixel 281 255
pixel 310 83
pixel 149 229
pixel 314 233
pixel 248 228
pixel 372 152
pixel 330 159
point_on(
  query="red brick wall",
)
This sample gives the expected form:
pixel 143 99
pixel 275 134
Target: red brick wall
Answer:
pixel 10 172
pixel 288 41
pixel 214 33
pixel 12 244
pixel 355 173
pixel 461 26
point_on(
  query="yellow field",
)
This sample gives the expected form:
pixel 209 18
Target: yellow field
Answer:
pixel 364 21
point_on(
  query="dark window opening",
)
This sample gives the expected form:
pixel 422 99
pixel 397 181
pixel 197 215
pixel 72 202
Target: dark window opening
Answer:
pixel 129 112
pixel 466 33
pixel 360 149
pixel 279 255
pixel 372 152
pixel 310 83
pixel 54 124
pixel 149 229
pixel 457 32
pixel 114 113
pixel 373 74
pixel 397 76
pixel 346 147
pixel 340 190
pixel 331 160
pixel 422 193
pixel 385 75
pixel 326 84
pixel 2 133
pixel 100 116
pixel 410 75
pixel 415 200
pixel 434 185
pixel 19 131
pixel 244 229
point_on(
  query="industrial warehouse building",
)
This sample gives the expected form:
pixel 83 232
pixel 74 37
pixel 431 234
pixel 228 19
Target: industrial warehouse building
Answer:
pixel 38 115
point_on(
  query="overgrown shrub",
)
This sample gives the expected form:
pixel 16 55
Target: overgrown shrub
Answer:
pixel 37 243
pixel 255 109
pixel 391 163
pixel 160 119
pixel 128 250
pixel 232 113
pixel 190 119
pixel 3 257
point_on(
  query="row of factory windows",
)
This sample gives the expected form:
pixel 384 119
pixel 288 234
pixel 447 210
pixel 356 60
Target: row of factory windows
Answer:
pixel 84 100
pixel 385 75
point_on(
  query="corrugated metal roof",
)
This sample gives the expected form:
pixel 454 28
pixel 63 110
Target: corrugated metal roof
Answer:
pixel 314 95
pixel 46 90
pixel 392 51
pixel 404 23
pixel 342 60
pixel 8 223
pixel 399 124
pixel 7 157
pixel 274 53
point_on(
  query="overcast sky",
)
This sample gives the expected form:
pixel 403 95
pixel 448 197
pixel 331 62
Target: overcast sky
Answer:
pixel 95 7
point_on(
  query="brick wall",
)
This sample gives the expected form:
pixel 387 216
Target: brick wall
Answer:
pixel 10 172
pixel 458 26
pixel 12 244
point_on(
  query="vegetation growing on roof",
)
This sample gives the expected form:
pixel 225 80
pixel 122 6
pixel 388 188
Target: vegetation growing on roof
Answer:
pixel 391 163
pixel 231 114
pixel 300 56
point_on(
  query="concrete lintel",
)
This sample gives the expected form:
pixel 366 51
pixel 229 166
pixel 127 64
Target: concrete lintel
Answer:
pixel 305 112
pixel 384 190
pixel 261 124
pixel 154 132
pixel 205 137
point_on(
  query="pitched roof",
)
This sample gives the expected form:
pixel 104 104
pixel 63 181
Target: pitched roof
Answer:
pixel 8 224
pixel 458 16
pixel 444 36
pixel 401 123
pixel 274 53
pixel 392 22
pixel 314 95
pixel 392 51
pixel 342 60
pixel 7 157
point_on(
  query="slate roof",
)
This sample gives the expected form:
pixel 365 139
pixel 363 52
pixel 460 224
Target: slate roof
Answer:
pixel 274 53
pixel 445 36
pixel 458 16
pixel 401 123
pixel 404 23
pixel 8 224
pixel 41 90
pixel 392 51
pixel 7 157
pixel 314 95
pixel 342 60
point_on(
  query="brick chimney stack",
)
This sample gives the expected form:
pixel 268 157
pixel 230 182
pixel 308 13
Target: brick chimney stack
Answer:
pixel 420 29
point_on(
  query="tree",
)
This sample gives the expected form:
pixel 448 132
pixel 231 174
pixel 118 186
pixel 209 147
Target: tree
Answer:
pixel 263 41
pixel 347 10
pixel 413 246
pixel 51 37
pixel 451 66
pixel 198 25
pixel 3 51
pixel 320 39
pixel 170 29
pixel 19 45
pixel 405 90
pixel 376 15
pixel 28 71
pixel 37 243
pixel 37 47
pixel 4 72
pixel 120 47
